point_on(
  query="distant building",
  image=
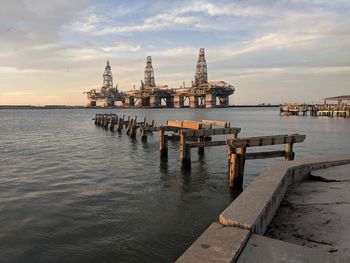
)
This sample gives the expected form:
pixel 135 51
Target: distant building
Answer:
pixel 339 99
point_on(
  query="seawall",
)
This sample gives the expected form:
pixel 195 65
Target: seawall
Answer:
pixel 253 210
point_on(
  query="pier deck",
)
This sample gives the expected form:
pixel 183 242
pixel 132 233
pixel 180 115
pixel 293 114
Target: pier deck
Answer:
pixel 330 110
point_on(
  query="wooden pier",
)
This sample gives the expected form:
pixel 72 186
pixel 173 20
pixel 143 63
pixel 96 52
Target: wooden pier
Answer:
pixel 238 148
pixel 199 134
pixel 330 110
pixel 195 134
pixel 131 125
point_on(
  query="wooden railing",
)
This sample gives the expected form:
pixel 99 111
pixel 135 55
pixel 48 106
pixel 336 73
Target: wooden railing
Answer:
pixel 238 150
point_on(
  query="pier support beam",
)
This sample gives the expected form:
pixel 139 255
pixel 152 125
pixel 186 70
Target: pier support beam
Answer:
pixel 201 149
pixel 193 102
pixel 129 102
pixel 170 102
pixel 120 124
pixel 145 102
pixel 185 151
pixel 154 101
pixel 163 143
pixel 178 101
pixel 237 162
pixel 210 101
pixel 224 101
pixel 289 154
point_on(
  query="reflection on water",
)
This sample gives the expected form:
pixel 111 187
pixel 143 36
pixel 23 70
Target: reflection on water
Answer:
pixel 73 192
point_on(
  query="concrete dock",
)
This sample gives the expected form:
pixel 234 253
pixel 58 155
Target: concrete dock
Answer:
pixel 294 211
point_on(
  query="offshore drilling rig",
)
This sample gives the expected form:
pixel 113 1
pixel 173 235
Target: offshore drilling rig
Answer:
pixel 108 94
pixel 201 93
pixel 150 94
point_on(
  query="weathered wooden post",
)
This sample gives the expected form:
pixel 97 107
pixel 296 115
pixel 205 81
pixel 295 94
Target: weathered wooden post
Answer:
pixel 104 123
pixel 152 125
pixel 101 120
pixel 201 149
pixel 185 151
pixel 127 122
pixel 129 126
pixel 237 163
pixel 133 128
pixel 289 154
pixel 163 143
pixel 231 150
pixel 144 132
pixel 120 125
pixel 113 121
pixel 96 119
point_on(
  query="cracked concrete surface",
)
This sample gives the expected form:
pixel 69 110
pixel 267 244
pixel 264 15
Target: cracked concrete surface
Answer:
pixel 316 213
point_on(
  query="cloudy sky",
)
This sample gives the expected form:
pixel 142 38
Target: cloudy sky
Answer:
pixel 271 51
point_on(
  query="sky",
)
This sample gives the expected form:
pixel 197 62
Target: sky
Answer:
pixel 271 51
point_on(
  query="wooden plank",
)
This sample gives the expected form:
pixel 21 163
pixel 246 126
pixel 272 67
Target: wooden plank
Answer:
pixel 217 123
pixel 263 155
pixel 206 144
pixel 209 132
pixel 150 128
pixel 266 140
pixel 185 124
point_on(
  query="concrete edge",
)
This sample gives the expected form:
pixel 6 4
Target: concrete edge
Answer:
pixel 256 206
pixel 231 234
pixel 217 244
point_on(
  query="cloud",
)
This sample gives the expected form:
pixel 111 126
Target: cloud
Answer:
pixel 121 47
pixel 192 15
pixel 26 23
pixel 87 24
pixel 15 93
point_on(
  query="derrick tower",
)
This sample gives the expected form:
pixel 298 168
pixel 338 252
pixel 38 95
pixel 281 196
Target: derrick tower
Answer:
pixel 107 79
pixel 201 76
pixel 149 74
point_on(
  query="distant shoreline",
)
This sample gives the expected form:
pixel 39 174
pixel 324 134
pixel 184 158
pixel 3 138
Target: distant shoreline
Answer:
pixel 21 107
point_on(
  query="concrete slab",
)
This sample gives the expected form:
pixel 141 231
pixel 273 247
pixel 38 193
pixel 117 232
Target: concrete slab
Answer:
pixel 250 206
pixel 315 214
pixel 217 244
pixel 263 249
pixel 338 173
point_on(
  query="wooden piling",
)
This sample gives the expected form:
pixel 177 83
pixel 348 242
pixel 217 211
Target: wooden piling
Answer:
pixel 144 132
pixel 185 151
pixel 237 162
pixel 230 149
pixel 113 122
pixel 128 129
pixel 133 128
pixel 95 119
pixel 120 125
pixel 289 154
pixel 163 143
pixel 127 123
pixel 201 149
